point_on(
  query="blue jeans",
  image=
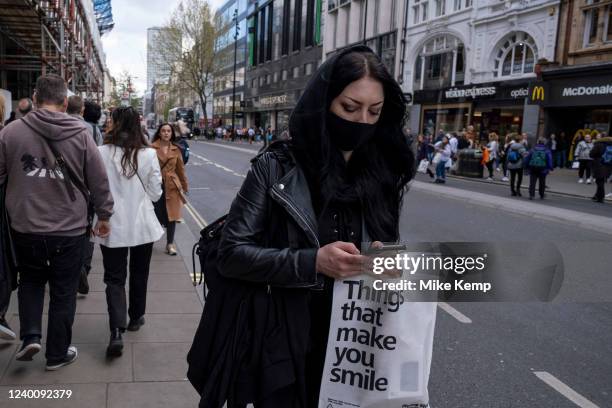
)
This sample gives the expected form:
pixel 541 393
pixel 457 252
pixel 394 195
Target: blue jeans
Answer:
pixel 441 170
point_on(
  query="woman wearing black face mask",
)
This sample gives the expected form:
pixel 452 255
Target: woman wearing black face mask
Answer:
pixel 297 224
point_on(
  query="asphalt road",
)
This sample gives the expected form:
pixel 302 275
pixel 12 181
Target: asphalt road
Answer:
pixel 485 354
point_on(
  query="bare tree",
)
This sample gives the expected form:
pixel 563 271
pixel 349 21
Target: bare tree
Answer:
pixel 188 48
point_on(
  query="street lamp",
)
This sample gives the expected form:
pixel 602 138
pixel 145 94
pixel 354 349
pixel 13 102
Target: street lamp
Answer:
pixel 237 29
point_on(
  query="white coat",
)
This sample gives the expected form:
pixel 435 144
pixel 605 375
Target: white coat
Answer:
pixel 133 221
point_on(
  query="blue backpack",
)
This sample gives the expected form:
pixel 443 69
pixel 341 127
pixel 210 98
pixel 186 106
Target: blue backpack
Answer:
pixel 514 156
pixel 606 158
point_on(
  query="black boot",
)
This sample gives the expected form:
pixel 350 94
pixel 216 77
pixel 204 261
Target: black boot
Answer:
pixel 115 346
pixel 134 325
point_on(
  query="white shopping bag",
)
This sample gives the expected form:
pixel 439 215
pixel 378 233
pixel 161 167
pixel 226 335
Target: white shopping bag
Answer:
pixel 423 165
pixel 379 348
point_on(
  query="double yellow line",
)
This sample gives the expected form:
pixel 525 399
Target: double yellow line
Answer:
pixel 196 215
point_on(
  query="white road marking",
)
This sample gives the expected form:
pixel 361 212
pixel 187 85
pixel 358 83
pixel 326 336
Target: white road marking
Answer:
pixel 564 389
pixel 454 312
pixel 239 149
pixel 219 166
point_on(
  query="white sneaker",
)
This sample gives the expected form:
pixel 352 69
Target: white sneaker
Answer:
pixel 589 180
pixel 608 196
pixel 504 178
pixel 489 179
pixel 498 169
pixel 580 181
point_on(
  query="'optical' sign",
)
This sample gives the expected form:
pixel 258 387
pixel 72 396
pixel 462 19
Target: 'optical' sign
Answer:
pixel 470 92
pixel 587 90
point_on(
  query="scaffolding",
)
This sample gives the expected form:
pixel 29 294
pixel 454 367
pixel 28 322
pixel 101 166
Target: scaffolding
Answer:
pixel 54 36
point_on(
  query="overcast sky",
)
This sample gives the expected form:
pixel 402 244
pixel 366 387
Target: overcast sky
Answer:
pixel 126 45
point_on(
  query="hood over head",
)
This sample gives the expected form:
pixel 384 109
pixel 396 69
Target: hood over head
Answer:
pixel 54 125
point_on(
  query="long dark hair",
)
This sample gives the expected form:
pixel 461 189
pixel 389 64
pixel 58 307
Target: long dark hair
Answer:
pixel 127 134
pixel 157 134
pixel 380 169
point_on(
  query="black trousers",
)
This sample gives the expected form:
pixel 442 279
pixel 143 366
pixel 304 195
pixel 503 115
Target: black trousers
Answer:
pixel 600 192
pixel 516 175
pixel 88 248
pixel 539 176
pixel 58 261
pixel 585 166
pixel 115 262
pixel 5 295
pixel 283 398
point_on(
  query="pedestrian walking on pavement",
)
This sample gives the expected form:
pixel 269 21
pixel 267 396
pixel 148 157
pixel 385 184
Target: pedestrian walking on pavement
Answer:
pixel 515 154
pixel 423 152
pixel 7 280
pixel 539 163
pixel 342 175
pixel 51 164
pixel 441 157
pixel 492 147
pixel 135 182
pixel 602 165
pixel 583 155
pixel 175 186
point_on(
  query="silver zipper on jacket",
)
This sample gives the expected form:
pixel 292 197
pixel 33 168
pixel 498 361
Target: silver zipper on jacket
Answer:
pixel 297 213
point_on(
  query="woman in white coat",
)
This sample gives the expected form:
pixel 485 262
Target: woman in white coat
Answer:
pixel 135 181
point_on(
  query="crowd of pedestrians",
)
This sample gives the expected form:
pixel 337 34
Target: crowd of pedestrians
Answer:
pixel 67 186
pixel 591 158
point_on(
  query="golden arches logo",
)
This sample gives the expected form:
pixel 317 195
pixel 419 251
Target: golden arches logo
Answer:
pixel 537 93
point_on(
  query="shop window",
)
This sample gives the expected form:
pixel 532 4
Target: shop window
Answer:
pixel 440 63
pixel 516 56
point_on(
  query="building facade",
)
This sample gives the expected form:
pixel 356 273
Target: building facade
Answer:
pixel 284 49
pixel 230 50
pixel 471 62
pixel 380 24
pixel 158 67
pixel 575 91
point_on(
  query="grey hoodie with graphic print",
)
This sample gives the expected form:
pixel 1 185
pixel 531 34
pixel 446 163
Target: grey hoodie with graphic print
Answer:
pixel 37 197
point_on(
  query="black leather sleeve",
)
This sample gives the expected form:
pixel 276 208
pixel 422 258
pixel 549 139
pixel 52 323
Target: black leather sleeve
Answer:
pixel 241 253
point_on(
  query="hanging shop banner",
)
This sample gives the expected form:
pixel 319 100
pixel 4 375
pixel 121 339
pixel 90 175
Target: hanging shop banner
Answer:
pixel 591 91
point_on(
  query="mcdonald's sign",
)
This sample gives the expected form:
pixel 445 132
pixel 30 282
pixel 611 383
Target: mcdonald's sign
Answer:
pixel 538 92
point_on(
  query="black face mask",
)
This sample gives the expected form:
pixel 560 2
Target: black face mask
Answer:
pixel 346 135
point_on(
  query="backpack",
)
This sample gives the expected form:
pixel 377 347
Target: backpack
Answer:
pixel 538 159
pixel 606 158
pixel 184 147
pixel 514 156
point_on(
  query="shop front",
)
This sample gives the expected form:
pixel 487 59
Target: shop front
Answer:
pixel 491 107
pixel 576 100
pixel 270 111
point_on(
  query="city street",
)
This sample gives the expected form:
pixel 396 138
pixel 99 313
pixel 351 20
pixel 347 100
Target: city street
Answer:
pixel 485 355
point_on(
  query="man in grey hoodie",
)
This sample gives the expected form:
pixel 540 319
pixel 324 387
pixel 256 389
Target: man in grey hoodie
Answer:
pixel 46 201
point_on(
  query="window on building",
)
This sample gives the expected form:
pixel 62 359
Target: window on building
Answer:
pixel 310 23
pixel 440 7
pixel 457 5
pixel 296 72
pixel 262 35
pixel 468 3
pixel 284 75
pixel 297 24
pixel 516 55
pixel 275 77
pixel 269 35
pixel 608 24
pixel 376 15
pixel 286 26
pixel 268 79
pixel 308 68
pixel 424 7
pixel 254 83
pixel 440 63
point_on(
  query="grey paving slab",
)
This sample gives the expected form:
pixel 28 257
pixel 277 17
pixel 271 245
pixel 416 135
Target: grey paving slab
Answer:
pixel 160 328
pixel 173 302
pixel 82 395
pixel 176 394
pixel 160 361
pixel 87 328
pixel 7 351
pixel 158 282
pixel 92 366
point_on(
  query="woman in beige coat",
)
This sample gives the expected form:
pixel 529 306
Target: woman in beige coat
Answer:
pixel 175 186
